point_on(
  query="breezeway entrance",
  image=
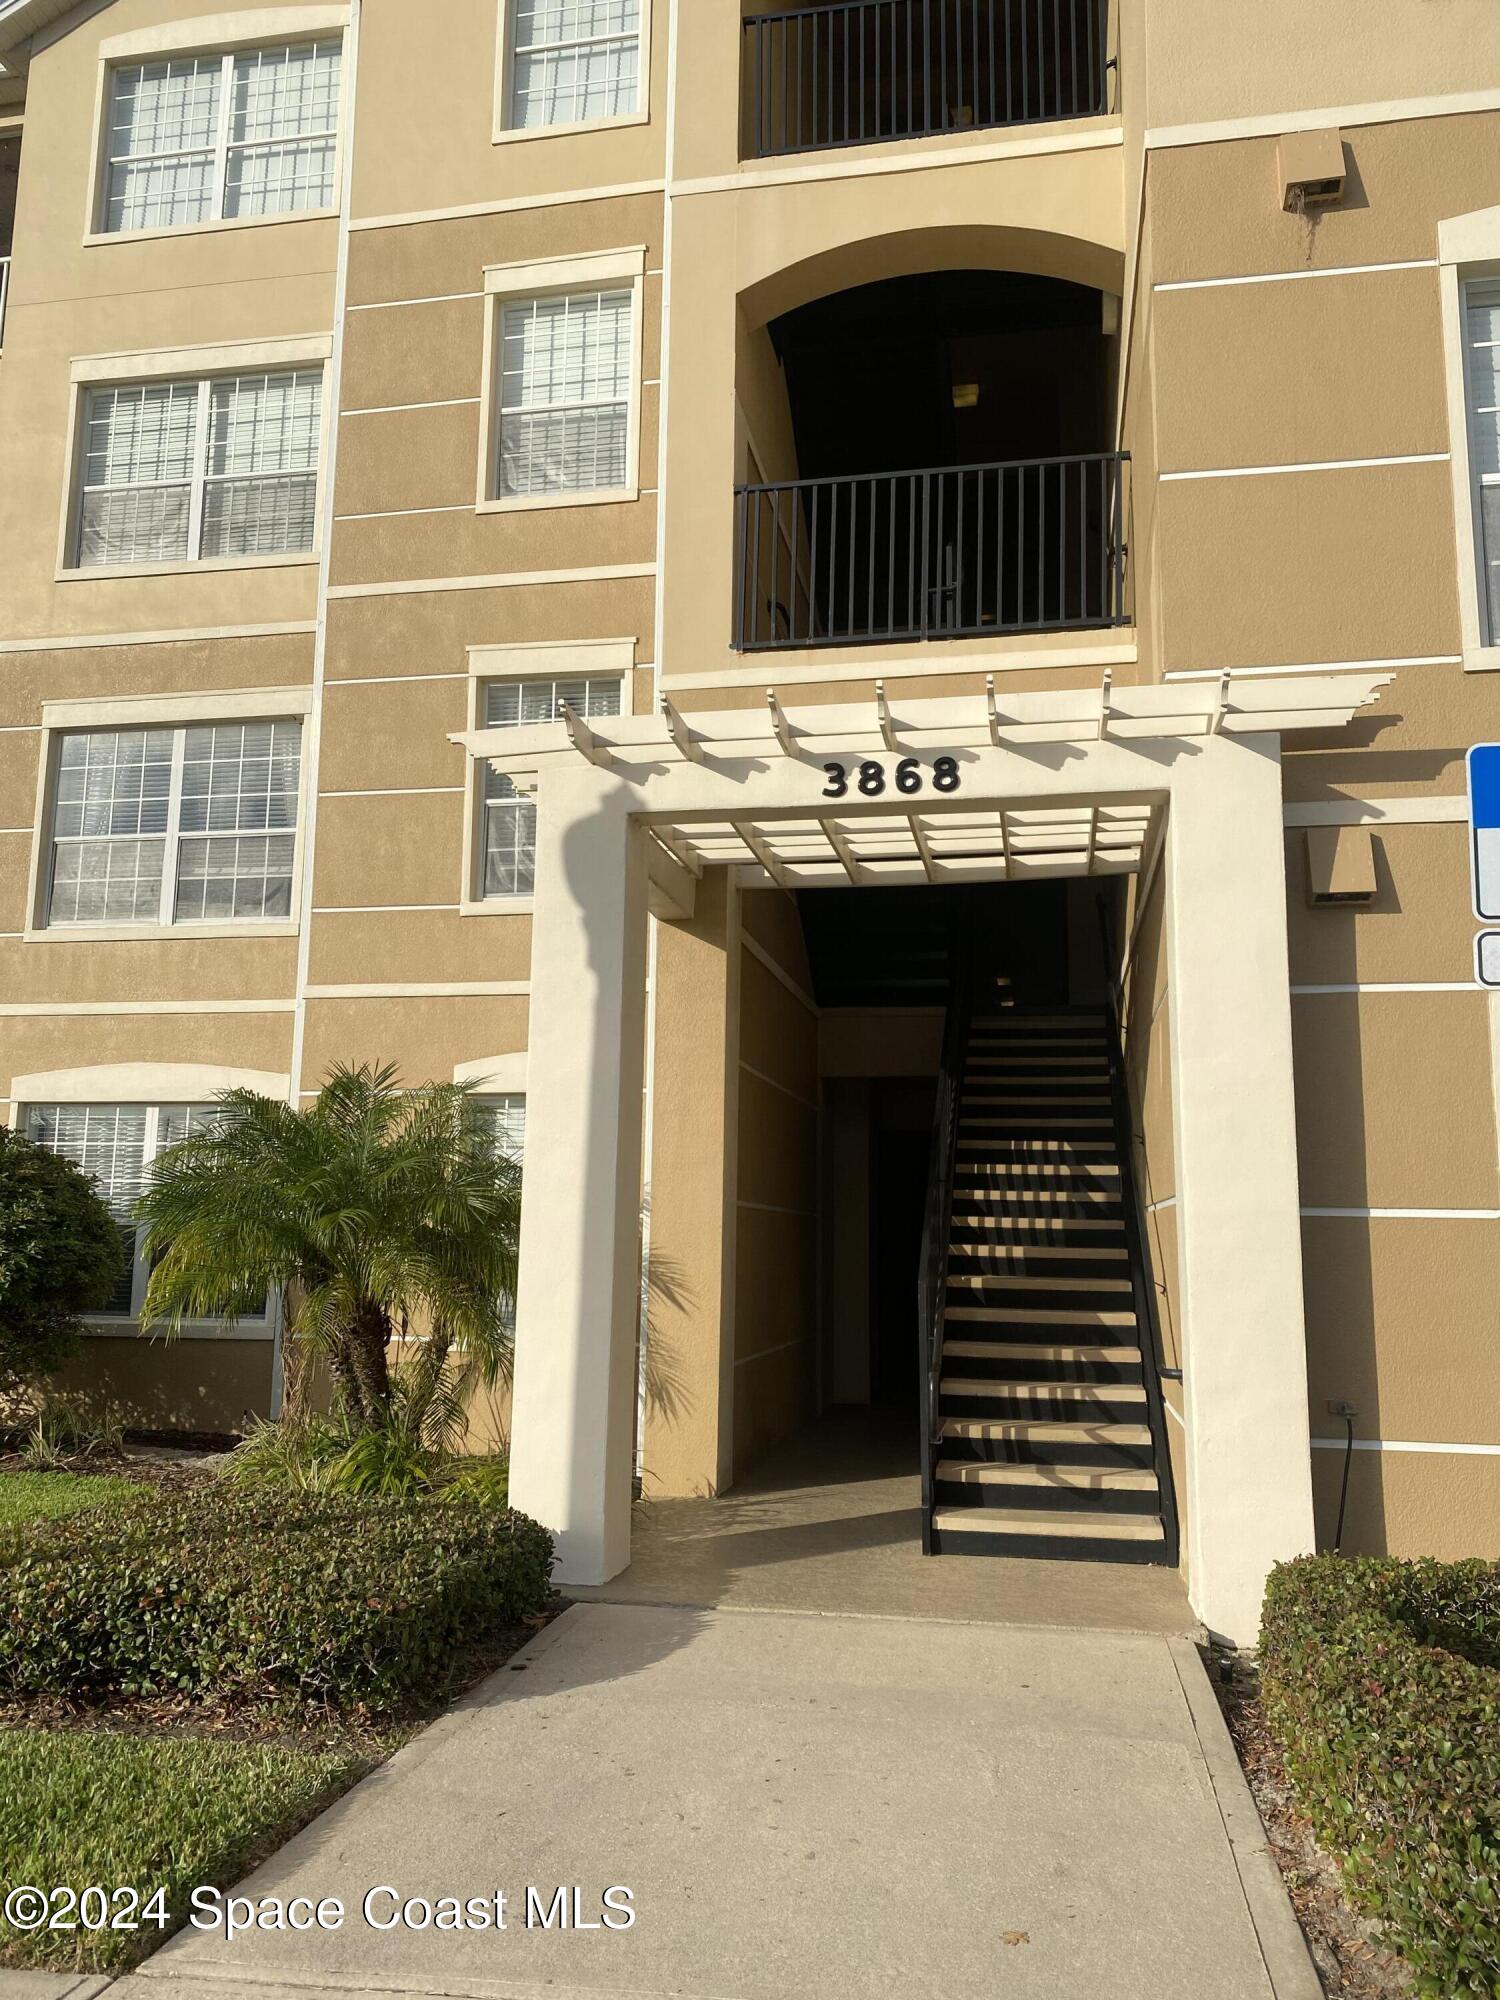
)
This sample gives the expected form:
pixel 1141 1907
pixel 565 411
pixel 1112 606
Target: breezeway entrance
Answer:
pixel 637 813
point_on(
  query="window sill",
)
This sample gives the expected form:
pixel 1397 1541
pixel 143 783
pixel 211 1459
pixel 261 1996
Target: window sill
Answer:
pixel 1482 659
pixel 98 238
pixel 114 572
pixel 277 927
pixel 509 135
pixel 523 503
pixel 499 906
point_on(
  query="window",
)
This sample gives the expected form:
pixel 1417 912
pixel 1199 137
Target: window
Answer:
pixel 565 382
pixel 212 138
pixel 163 826
pixel 504 1118
pixel 573 61
pixel 115 1144
pixel 177 472
pixel 509 818
pixel 1482 358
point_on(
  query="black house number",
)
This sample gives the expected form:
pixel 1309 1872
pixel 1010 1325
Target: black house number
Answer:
pixel 870 778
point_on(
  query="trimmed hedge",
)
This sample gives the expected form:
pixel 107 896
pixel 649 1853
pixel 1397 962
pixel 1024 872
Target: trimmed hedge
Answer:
pixel 261 1597
pixel 1381 1680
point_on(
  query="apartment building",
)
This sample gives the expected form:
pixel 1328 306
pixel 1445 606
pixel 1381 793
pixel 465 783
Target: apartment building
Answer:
pixel 870 616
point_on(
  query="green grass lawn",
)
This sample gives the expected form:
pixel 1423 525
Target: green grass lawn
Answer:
pixel 44 1496
pixel 144 1813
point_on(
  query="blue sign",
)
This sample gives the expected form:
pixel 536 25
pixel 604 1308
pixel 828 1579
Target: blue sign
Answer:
pixel 1484 829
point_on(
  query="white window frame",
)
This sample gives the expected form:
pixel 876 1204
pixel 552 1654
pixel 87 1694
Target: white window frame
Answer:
pixel 570 659
pixel 228 36
pixel 558 277
pixel 505 133
pixel 202 365
pixel 152 1087
pixel 174 712
pixel 1468 252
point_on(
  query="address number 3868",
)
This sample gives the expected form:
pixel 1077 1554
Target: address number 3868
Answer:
pixel 870 781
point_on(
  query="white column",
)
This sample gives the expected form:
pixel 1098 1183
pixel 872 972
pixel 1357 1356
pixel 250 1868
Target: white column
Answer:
pixel 1249 1498
pixel 576 1310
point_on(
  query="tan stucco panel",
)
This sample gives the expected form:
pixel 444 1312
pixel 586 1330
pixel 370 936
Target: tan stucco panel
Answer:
pixel 1395 1106
pixel 1284 56
pixel 1401 1323
pixel 413 354
pixel 1352 564
pixel 32 1043
pixel 1419 925
pixel 1295 373
pixel 777 1145
pixel 778 1035
pixel 773 1399
pixel 1216 209
pixel 426 1039
pixel 1410 1503
pixel 393 734
pixel 408 458
pixel 1412 742
pixel 181 666
pixel 59 968
pixel 433 945
pixel 389 850
pixel 419 546
pixel 425 632
pixel 446 257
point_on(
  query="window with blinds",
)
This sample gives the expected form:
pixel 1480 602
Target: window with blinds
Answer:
pixel 167 826
pixel 200 470
pixel 115 1145
pixel 565 368
pixel 503 1118
pixel 212 138
pixel 509 832
pixel 573 61
pixel 1482 344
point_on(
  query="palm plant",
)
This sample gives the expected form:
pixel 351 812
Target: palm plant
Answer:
pixel 379 1215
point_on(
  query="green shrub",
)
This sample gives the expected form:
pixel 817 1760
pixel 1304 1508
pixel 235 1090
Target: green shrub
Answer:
pixel 263 1597
pixel 60 1256
pixel 1382 1682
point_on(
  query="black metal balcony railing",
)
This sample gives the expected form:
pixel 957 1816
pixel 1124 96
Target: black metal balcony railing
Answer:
pixel 959 552
pixel 870 70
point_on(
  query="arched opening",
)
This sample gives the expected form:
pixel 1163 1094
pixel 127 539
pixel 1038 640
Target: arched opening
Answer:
pixel 939 463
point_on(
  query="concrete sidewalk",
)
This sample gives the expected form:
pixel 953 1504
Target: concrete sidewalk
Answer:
pixel 803 1807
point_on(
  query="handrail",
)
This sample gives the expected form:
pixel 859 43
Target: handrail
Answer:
pixel 859 72
pixel 936 552
pixel 932 1280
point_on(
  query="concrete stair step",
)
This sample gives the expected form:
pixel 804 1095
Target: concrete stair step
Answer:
pixel 1022 1351
pixel 1002 1521
pixel 1027 1281
pixel 1120 1393
pixel 1132 1479
pixel 1039 1316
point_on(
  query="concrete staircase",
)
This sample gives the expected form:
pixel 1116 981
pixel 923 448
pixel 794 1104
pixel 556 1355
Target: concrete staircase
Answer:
pixel 1045 1440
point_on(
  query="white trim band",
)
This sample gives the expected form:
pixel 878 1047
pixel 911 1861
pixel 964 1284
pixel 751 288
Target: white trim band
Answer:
pixel 1289 277
pixel 1309 465
pixel 1407 1444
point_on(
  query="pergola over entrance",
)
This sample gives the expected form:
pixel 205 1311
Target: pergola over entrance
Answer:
pixel 630 812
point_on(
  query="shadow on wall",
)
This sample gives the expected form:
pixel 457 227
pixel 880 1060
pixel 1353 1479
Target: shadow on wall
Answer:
pixel 1338 1279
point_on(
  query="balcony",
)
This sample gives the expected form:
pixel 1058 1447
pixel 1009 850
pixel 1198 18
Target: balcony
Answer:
pixel 938 465
pixel 866 72
pixel 953 552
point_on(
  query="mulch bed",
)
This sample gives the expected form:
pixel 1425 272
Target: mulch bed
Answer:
pixel 1348 1948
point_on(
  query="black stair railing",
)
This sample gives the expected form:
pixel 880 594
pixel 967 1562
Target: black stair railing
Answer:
pixel 949 552
pixel 864 71
pixel 932 1277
